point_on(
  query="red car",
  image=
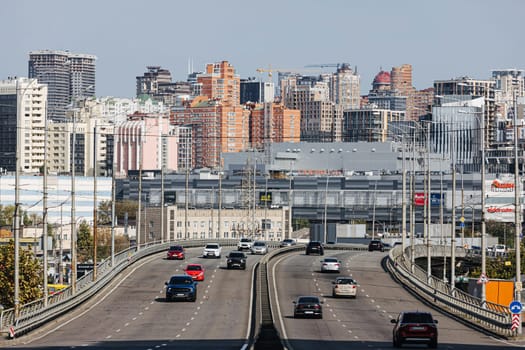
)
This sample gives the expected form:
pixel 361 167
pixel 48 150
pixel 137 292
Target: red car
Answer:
pixel 196 271
pixel 415 327
pixel 175 252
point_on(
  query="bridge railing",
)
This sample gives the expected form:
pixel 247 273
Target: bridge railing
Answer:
pixel 491 317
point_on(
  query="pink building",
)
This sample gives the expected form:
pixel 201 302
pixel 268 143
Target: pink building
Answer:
pixel 146 136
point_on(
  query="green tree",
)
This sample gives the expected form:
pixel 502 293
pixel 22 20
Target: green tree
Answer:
pixel 121 208
pixel 30 276
pixel 6 215
pixel 84 242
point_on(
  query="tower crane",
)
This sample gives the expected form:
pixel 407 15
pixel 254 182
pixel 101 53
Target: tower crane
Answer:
pixel 271 70
pixel 324 65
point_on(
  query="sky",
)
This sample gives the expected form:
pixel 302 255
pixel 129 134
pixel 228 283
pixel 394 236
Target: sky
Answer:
pixel 441 39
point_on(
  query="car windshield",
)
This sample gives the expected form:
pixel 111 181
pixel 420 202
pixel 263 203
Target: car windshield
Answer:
pixel 236 255
pixel 176 248
pixel 181 280
pixel 315 244
pixel 246 240
pixel 345 281
pixel 259 244
pixel 308 300
pixel 212 246
pixel 287 241
pixel 330 260
pixel 417 318
pixel 194 268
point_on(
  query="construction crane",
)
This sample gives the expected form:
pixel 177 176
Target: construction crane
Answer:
pixel 324 65
pixel 271 70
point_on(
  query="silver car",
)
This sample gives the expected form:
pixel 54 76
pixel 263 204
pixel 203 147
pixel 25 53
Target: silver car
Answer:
pixel 344 287
pixel 259 247
pixel 330 264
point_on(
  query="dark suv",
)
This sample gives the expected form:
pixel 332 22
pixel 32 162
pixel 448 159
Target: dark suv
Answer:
pixel 181 287
pixel 415 327
pixel 314 247
pixel 236 259
pixel 376 244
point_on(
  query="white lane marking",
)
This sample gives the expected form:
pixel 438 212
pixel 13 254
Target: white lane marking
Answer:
pixel 127 324
pixel 108 337
pixel 134 318
pixel 118 330
pixel 146 261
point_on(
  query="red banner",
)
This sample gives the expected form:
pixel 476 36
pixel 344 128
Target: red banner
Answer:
pixel 419 199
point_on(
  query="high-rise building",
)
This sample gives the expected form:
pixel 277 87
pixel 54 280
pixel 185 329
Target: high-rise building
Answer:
pixel 157 84
pixel 345 87
pixel 220 82
pixel 256 91
pixel 467 89
pixel 22 123
pixel 273 122
pixel 69 76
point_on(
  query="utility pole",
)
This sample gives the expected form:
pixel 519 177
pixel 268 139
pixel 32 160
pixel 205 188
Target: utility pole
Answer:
pixel 73 214
pixel 517 219
pixel 429 206
pixel 113 198
pixel 44 215
pixel 95 238
pixel 453 228
pixel 140 144
pixel 162 198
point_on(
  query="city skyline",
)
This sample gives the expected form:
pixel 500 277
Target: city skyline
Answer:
pixel 440 40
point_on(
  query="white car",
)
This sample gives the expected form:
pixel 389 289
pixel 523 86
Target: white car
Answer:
pixel 245 243
pixel 344 287
pixel 330 264
pixel 212 250
pixel 259 247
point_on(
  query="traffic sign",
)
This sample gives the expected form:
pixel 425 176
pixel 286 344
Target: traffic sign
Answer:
pixel 462 219
pixel 461 224
pixel 515 321
pixel 515 307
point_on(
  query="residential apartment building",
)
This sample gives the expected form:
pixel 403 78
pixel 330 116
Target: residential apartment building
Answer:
pixel 23 108
pixel 256 91
pixel 216 128
pixel 345 88
pixel 145 142
pixel 218 122
pixel 401 84
pixel 369 124
pixel 273 122
pixel 220 82
pixel 321 119
pixel 510 86
pixel 156 82
pixel 69 76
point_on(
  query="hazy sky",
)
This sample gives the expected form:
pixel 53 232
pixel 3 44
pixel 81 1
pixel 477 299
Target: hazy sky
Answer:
pixel 441 39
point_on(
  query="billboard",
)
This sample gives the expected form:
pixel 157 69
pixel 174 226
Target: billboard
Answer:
pixel 265 198
pixel 499 199
pixel 419 199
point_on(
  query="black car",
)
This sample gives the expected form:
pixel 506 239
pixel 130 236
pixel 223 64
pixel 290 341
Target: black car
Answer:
pixel 236 259
pixel 308 306
pixel 376 244
pixel 181 287
pixel 314 247
pixel 415 327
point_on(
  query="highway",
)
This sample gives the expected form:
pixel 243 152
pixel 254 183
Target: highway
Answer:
pixel 361 323
pixel 135 314
pixel 131 312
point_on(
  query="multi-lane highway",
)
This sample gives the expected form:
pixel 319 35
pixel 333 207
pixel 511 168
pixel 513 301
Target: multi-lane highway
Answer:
pixel 361 323
pixel 132 312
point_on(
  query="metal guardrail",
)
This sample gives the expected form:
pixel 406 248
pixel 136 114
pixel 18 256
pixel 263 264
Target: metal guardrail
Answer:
pixel 491 317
